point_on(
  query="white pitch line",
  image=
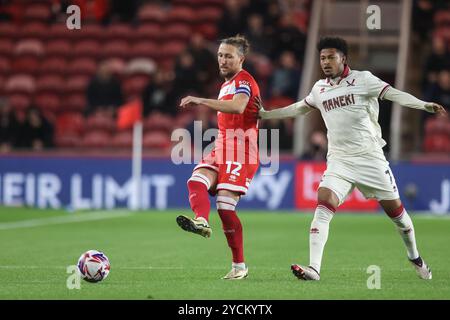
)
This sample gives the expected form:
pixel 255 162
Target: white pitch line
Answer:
pixel 88 216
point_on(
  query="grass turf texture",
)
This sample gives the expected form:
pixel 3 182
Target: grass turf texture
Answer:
pixel 152 258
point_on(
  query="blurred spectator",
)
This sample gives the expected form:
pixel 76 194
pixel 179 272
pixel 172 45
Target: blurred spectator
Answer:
pixel 186 78
pixel 255 34
pixel 124 11
pixel 155 97
pixel 439 92
pixel 438 60
pixel 36 131
pixel 204 60
pixel 104 91
pixel 233 19
pixel 9 126
pixel 318 147
pixel 285 80
pixel 289 38
pixel 284 133
pixel 423 12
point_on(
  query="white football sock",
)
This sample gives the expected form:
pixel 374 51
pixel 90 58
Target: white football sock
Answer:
pixel 406 229
pixel 240 265
pixel 318 235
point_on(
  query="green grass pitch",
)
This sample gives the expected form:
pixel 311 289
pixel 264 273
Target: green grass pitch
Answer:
pixel 152 258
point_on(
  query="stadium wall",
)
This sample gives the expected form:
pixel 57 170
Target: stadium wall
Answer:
pixel 77 183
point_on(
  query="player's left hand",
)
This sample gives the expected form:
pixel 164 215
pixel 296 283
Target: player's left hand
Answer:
pixel 437 108
pixel 190 101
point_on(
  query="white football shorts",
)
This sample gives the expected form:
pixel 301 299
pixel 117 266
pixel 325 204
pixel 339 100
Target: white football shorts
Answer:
pixel 370 173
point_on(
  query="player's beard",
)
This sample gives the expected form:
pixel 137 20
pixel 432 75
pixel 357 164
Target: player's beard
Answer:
pixel 227 75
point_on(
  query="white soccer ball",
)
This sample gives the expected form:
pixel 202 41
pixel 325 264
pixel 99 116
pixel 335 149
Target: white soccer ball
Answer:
pixel 93 266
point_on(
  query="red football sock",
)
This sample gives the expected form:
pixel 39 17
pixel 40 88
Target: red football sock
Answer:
pixel 232 229
pixel 199 199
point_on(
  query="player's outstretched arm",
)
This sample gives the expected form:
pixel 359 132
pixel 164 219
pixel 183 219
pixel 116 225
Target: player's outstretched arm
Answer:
pixel 237 105
pixel 293 110
pixel 408 100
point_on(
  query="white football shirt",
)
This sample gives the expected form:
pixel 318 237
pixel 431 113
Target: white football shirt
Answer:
pixel 349 108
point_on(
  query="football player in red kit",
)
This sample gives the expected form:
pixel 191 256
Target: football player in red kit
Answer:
pixel 228 170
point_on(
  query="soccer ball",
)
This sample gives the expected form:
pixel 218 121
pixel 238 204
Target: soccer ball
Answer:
pixel 93 266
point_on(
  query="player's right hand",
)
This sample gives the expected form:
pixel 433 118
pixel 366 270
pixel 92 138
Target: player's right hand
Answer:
pixel 190 101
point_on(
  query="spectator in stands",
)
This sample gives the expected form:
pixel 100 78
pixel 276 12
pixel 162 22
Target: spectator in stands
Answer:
pixel 187 78
pixel 9 126
pixel 256 35
pixel 289 37
pixel 204 61
pixel 285 80
pixel 423 12
pixel 440 91
pixel 155 97
pixel 36 132
pixel 93 10
pixel 233 19
pixel 104 92
pixel 438 60
pixel 317 150
pixel 124 11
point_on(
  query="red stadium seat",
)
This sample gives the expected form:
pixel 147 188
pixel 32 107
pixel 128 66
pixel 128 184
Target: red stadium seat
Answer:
pixel 19 102
pixel 25 64
pixel 437 125
pixel 76 84
pixel 5 65
pixel 208 15
pixel 149 32
pixel 20 84
pixel 9 31
pixel 437 142
pixel 145 50
pixel 87 48
pixel 6 47
pixel 36 30
pixel 181 14
pixel 48 102
pixel 178 31
pixel 67 140
pixel 151 13
pixel 37 12
pixel 100 121
pixel 50 83
pixel 122 139
pixel 95 139
pixel 173 48
pixel 82 66
pixel 59 31
pixel 74 102
pixel 208 30
pixel 116 49
pixel 61 48
pixel 69 122
pixel 29 47
pixel 53 65
pixel 159 122
pixel 156 140
pixel 120 31
pixel 93 32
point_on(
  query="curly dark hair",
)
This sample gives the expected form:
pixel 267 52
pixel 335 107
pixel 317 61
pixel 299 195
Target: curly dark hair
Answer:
pixel 240 42
pixel 333 42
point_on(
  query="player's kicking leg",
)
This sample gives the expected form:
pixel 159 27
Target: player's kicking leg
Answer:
pixel 198 185
pixel 395 210
pixel 232 228
pixel 327 203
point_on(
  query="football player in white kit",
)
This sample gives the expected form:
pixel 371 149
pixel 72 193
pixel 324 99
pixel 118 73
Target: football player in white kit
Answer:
pixel 348 102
